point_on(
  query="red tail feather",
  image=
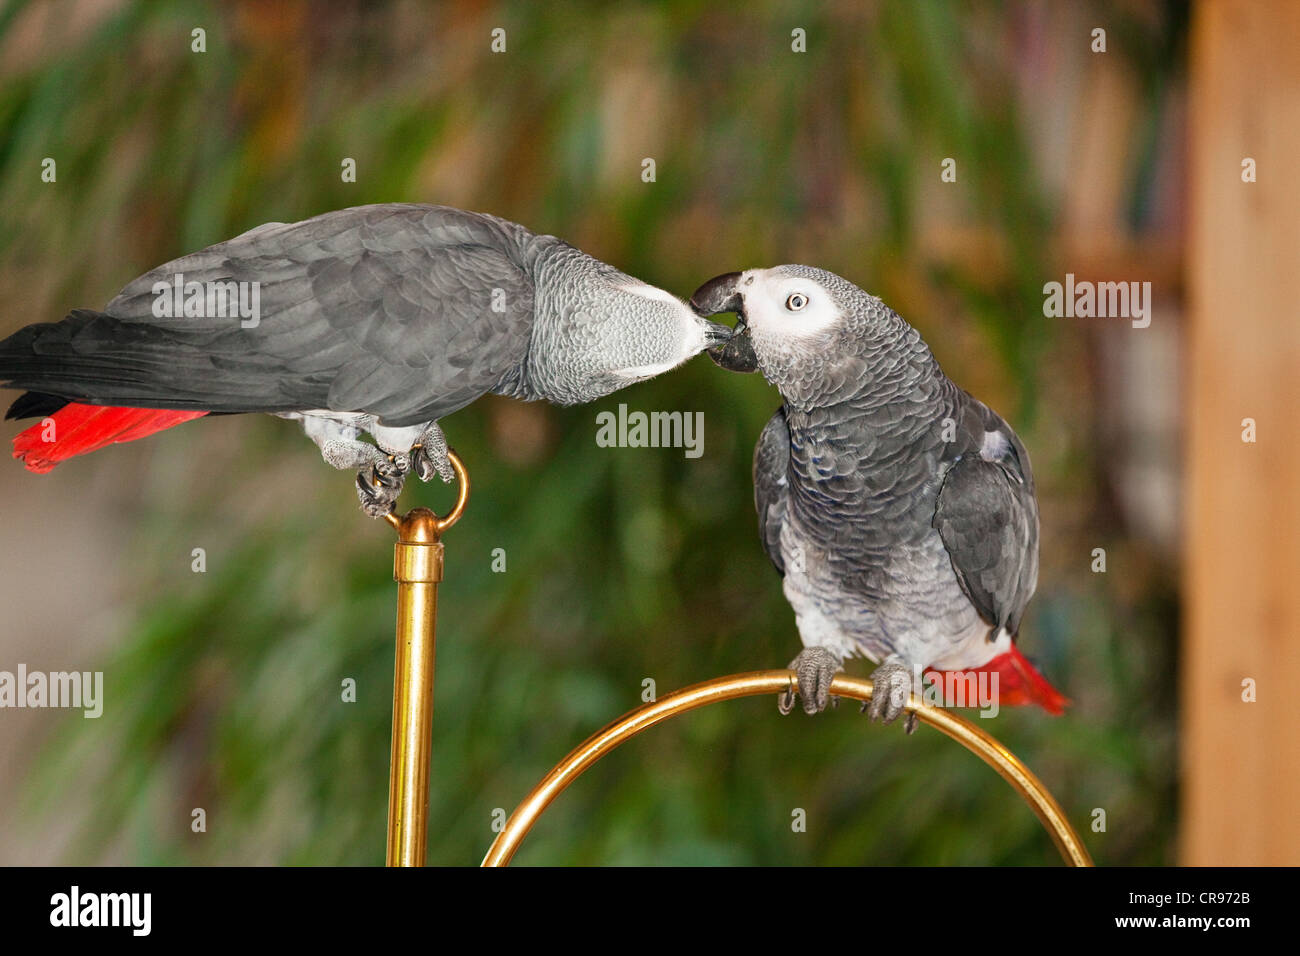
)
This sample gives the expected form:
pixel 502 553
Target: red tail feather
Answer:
pixel 77 429
pixel 1019 683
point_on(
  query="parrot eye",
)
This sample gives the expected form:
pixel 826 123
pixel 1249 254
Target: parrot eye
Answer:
pixel 796 301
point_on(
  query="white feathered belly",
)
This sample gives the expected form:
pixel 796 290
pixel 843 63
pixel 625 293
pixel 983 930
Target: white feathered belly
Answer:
pixel 322 425
pixel 931 623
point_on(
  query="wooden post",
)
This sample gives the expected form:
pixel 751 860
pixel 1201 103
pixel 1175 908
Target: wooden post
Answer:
pixel 1240 760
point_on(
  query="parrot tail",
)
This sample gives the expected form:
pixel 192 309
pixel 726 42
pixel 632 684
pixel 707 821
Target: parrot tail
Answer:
pixel 1020 683
pixel 76 429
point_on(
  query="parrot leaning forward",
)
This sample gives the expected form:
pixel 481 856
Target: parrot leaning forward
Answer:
pixel 376 319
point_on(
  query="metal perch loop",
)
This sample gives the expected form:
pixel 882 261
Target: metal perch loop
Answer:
pixel 983 745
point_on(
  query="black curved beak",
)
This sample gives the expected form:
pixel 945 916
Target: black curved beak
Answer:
pixel 722 294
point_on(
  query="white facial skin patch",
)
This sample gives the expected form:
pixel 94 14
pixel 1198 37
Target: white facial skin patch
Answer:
pixel 783 306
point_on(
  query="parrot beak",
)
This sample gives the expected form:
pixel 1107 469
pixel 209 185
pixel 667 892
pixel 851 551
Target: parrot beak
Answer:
pixel 738 354
pixel 722 294
pixel 715 333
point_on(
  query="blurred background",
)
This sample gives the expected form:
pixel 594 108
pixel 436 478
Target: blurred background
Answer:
pixel 223 687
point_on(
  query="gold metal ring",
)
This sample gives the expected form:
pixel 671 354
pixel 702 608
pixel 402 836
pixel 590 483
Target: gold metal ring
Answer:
pixel 983 745
pixel 462 499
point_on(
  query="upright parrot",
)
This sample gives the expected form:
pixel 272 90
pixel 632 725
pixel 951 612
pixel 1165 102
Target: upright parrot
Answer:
pixel 378 319
pixel 899 510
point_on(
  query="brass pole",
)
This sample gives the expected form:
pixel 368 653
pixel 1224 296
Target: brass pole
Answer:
pixel 983 745
pixel 417 569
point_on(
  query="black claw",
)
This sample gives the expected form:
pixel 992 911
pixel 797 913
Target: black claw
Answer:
pixel 380 480
pixel 378 493
pixel 422 466
pixel 425 468
pixel 785 702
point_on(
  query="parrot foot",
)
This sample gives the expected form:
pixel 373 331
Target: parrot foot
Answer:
pixel 346 453
pixel 815 668
pixel 430 455
pixel 380 476
pixel 891 686
pixel 379 488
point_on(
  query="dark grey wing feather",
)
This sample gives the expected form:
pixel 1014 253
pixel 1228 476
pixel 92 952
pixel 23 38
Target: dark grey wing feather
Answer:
pixel 385 309
pixel 771 462
pixel 987 517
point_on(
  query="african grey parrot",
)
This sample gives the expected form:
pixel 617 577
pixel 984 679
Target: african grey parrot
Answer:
pixel 899 510
pixel 377 319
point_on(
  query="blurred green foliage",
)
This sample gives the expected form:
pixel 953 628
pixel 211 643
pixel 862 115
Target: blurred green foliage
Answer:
pixel 622 564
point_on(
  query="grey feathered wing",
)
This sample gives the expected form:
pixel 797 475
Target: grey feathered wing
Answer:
pixel 386 309
pixel 987 517
pixel 771 461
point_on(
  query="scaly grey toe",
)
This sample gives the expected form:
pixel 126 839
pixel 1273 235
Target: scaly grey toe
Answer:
pixel 815 668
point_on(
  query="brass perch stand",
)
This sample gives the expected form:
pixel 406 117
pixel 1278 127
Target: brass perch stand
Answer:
pixel 417 569
pixel 983 745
